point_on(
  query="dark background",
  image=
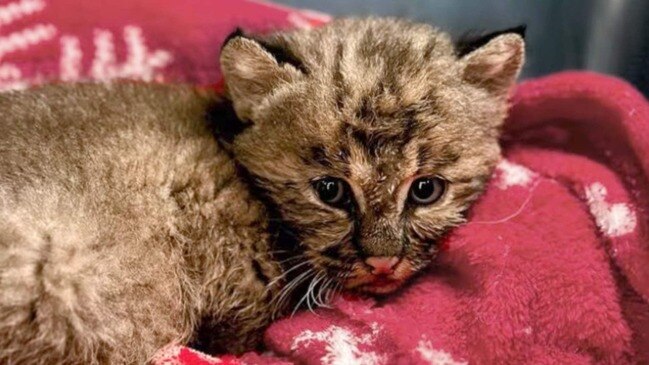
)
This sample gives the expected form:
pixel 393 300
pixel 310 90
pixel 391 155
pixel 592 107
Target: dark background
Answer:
pixel 609 36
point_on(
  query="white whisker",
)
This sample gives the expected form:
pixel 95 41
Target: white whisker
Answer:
pixel 283 275
pixel 284 295
pixel 306 295
pixel 324 289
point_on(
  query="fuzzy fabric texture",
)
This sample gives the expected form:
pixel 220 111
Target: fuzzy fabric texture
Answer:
pixel 150 40
pixel 552 268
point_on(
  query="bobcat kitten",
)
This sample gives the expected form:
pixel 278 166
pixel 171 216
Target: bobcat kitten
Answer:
pixel 133 215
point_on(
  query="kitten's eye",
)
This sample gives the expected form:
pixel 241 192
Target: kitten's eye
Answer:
pixel 331 190
pixel 426 190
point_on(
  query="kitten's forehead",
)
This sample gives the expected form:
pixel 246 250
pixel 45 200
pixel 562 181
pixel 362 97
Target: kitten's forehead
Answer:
pixel 380 152
pixel 380 101
pixel 358 56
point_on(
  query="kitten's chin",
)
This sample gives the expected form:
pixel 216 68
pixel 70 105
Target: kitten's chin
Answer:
pixel 381 286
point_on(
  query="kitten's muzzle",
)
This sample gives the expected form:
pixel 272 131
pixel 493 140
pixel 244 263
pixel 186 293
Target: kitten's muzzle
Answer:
pixel 382 264
pixel 379 274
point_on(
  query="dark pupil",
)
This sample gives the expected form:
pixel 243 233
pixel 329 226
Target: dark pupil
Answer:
pixel 328 190
pixel 424 188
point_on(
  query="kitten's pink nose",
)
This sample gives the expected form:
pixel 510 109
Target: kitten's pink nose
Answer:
pixel 382 264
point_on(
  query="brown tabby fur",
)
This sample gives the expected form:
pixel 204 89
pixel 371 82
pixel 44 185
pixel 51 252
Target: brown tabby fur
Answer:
pixel 124 224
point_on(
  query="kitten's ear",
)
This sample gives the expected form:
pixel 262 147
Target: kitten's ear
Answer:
pixel 493 61
pixel 251 72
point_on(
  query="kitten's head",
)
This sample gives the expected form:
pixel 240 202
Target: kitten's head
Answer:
pixel 371 137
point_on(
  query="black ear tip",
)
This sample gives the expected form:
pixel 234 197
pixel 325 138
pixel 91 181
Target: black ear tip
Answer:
pixel 520 30
pixel 238 32
pixel 469 42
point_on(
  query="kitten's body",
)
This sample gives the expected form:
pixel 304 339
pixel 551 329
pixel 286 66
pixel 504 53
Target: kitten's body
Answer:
pixel 122 226
pixel 125 225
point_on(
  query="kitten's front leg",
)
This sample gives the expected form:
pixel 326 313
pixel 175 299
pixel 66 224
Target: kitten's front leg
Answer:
pixel 240 306
pixel 235 334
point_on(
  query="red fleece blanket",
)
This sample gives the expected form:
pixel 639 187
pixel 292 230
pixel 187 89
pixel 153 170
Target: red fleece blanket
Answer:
pixel 553 266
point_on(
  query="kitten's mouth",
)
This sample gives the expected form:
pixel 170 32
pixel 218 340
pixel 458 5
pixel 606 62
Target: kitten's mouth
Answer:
pixel 363 280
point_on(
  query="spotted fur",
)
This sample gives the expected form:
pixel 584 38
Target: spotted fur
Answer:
pixel 125 224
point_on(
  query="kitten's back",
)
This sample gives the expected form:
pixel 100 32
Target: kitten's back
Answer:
pixel 86 176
